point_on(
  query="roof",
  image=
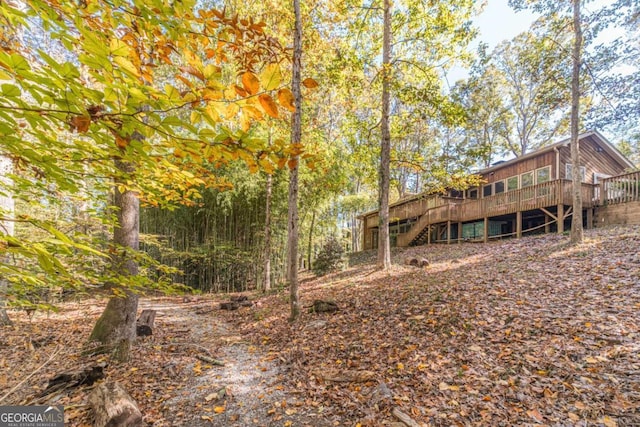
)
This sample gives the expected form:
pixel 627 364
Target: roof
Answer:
pixel 597 136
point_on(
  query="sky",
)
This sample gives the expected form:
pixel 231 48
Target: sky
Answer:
pixel 496 23
pixel 499 22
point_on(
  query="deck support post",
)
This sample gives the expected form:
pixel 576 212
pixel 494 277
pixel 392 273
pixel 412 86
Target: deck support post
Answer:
pixel 448 232
pixel 589 218
pixel 459 232
pixel 560 219
pixel 486 229
pixel 429 234
pixel 519 224
pixel 547 226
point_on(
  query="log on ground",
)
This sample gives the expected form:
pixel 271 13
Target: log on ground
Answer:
pixel 83 376
pixel 321 306
pixel 113 407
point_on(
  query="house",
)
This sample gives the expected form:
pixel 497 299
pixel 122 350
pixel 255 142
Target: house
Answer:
pixel 531 193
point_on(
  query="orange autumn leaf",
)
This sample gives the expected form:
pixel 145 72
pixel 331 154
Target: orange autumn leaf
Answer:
pixel 121 142
pixel 250 83
pixel 285 98
pixel 269 105
pixel 310 83
pixel 80 123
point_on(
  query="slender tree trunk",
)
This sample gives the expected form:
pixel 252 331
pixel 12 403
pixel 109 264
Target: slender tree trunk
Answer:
pixel 296 138
pixel 576 222
pixel 115 330
pixel 384 248
pixel 267 237
pixel 310 245
pixel 6 228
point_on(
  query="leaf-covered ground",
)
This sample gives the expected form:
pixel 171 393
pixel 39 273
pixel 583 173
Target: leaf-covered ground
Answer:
pixel 519 332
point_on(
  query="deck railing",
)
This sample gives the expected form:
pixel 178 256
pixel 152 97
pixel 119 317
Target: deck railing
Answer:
pixel 620 189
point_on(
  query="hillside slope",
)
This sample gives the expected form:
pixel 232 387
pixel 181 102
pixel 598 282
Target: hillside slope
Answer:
pixel 519 332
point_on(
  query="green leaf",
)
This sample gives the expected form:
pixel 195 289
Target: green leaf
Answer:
pixel 10 91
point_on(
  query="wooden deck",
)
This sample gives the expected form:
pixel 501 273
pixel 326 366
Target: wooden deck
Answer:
pixel 620 189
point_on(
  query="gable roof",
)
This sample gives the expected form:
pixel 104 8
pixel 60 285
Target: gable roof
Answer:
pixel 595 135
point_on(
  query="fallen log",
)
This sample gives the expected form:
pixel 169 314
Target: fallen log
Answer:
pixel 229 305
pixel 113 407
pixel 406 419
pixel 416 262
pixel 320 306
pixel 84 376
pixel 210 360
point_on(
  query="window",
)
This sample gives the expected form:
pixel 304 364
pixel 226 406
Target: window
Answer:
pixel 512 183
pixel 498 187
pixel 543 175
pixel 569 172
pixel 486 190
pixel 526 180
pixel 473 193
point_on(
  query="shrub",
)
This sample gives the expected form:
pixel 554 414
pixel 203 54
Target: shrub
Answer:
pixel 329 258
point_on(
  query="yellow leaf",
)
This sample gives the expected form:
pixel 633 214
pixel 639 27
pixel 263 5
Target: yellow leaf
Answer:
pixel 118 48
pixel 250 83
pixel 252 112
pixel 309 83
pixel 608 421
pixel 285 98
pixel 127 65
pixel 269 105
pixel 271 77
pixel 232 110
pixel 218 409
pixel 400 366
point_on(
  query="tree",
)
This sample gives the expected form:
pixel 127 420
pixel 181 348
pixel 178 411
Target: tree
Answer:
pixel 6 227
pixel 576 221
pixel 296 138
pixel 122 107
pixel 532 77
pixel 384 250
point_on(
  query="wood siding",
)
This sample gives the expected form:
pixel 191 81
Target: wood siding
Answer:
pixel 593 160
pixel 537 162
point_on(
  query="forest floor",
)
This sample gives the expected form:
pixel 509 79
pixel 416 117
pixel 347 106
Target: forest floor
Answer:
pixel 518 332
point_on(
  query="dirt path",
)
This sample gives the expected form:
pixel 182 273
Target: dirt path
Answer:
pixel 246 391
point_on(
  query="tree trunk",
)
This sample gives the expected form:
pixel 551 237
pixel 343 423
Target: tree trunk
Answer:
pixel 266 287
pixel 115 330
pixel 310 245
pixel 6 227
pixel 296 138
pixel 384 249
pixel 576 222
